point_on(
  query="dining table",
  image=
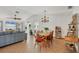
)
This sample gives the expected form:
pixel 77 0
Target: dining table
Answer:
pixel 44 33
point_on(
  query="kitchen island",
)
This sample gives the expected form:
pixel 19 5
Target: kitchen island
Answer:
pixel 7 38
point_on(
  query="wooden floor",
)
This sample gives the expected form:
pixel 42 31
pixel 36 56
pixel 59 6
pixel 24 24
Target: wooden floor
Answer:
pixel 21 47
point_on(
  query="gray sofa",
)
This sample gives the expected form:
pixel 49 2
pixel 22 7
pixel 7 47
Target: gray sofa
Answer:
pixel 7 38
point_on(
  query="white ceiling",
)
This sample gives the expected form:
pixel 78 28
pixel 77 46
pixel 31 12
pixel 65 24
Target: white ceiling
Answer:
pixel 32 10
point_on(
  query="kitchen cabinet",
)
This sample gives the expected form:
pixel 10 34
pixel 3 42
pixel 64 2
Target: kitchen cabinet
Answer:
pixel 10 38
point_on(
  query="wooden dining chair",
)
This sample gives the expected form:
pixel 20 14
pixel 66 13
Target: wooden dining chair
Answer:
pixel 50 39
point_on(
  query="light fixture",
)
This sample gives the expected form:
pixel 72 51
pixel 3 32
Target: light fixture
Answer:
pixel 45 18
pixel 15 16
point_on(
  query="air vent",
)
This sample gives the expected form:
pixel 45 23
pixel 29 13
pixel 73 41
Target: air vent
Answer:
pixel 69 7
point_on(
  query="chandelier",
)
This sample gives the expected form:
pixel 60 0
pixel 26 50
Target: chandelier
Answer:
pixel 45 18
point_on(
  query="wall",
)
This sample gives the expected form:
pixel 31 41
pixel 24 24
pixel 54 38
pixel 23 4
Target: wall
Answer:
pixel 78 24
pixel 76 11
pixel 61 20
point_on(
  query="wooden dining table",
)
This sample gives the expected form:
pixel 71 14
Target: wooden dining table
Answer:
pixel 41 38
pixel 45 35
pixel 45 38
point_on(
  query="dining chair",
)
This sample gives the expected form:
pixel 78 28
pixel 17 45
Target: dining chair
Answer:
pixel 50 39
pixel 39 41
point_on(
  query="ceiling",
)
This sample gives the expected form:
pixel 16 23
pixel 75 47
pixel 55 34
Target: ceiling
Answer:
pixel 27 11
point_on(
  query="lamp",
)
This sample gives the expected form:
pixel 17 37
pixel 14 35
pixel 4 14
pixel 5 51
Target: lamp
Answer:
pixel 45 18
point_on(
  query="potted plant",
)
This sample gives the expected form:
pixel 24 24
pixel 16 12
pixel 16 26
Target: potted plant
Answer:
pixel 46 28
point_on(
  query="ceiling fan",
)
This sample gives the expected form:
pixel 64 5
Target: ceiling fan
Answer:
pixel 15 16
